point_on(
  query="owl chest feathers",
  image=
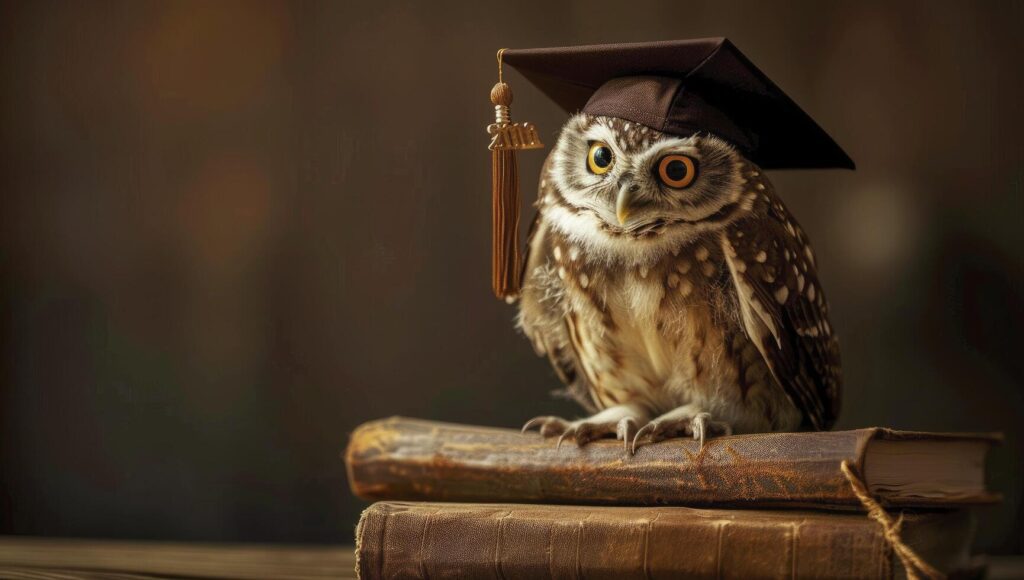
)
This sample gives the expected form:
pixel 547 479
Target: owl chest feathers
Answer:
pixel 661 334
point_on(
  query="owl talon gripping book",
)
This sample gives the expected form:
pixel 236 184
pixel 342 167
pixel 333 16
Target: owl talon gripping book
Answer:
pixel 663 277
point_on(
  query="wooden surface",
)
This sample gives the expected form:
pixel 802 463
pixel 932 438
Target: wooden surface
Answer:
pixel 23 558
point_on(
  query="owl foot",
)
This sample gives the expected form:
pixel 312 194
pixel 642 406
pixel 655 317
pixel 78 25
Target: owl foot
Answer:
pixel 680 422
pixel 619 424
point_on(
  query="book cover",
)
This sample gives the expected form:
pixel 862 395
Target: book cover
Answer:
pixel 408 459
pixel 435 540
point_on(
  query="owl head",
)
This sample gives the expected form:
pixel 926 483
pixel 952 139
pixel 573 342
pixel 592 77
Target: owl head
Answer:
pixel 624 187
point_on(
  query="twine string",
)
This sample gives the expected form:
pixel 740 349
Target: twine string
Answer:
pixel 915 565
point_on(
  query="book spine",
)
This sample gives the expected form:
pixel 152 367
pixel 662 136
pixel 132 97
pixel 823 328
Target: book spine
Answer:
pixel 406 459
pixel 495 541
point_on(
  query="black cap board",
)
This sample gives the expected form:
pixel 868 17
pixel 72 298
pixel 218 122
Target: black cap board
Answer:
pixel 684 87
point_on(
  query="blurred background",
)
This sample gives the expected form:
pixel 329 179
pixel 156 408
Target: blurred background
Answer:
pixel 231 232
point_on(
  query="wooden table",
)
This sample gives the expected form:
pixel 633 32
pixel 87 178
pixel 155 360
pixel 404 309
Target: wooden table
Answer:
pixel 23 558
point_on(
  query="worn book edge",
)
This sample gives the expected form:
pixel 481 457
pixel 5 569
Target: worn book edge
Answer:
pixel 376 441
pixel 413 545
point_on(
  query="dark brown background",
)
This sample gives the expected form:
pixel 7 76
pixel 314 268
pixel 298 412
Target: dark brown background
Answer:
pixel 232 232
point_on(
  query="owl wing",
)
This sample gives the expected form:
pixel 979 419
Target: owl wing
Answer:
pixel 541 316
pixel 784 311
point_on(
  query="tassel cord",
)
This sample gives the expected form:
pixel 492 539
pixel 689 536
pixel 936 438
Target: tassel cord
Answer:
pixel 914 564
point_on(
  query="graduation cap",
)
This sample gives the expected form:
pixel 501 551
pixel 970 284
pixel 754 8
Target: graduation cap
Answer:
pixel 678 87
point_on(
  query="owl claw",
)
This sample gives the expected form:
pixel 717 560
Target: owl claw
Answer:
pixel 548 425
pixel 639 434
pixel 625 431
pixel 674 424
pixel 657 430
pixel 583 431
pixel 702 422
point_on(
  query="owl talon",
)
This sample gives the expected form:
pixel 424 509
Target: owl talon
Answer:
pixel 680 422
pixel 639 436
pixel 532 423
pixel 568 432
pixel 625 431
pixel 609 423
pixel 702 423
pixel 659 430
pixel 548 425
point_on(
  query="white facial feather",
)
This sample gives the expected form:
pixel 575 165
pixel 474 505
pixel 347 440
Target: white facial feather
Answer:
pixel 669 217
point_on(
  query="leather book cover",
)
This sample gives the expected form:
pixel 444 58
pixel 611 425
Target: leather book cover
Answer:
pixel 408 459
pixel 437 540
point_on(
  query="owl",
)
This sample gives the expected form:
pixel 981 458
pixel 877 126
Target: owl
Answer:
pixel 672 291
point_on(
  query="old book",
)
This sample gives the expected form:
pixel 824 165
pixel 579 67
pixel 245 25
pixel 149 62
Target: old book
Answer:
pixel 408 459
pixel 435 540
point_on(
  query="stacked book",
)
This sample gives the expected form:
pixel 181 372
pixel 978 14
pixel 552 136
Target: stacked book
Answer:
pixel 473 502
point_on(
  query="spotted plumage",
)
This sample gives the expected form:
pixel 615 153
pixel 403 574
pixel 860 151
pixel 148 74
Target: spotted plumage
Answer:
pixel 690 310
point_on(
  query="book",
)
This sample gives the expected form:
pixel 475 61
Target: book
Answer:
pixel 408 459
pixel 433 540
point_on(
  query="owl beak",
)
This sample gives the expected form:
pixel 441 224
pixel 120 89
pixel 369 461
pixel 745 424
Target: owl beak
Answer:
pixel 627 192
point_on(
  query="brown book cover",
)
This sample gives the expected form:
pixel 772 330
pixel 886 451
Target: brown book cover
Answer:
pixel 408 459
pixel 438 540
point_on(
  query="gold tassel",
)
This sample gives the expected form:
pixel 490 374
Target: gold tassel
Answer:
pixel 505 218
pixel 506 138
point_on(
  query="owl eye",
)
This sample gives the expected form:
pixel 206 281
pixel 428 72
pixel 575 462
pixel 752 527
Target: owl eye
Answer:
pixel 600 158
pixel 677 171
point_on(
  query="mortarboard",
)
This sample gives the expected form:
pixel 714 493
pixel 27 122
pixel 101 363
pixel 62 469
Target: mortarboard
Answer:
pixel 678 87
